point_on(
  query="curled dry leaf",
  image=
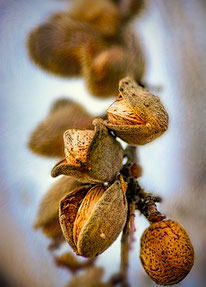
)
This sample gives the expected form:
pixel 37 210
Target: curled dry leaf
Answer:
pixel 47 218
pixel 92 219
pixel 102 16
pixel 166 253
pixel 91 278
pixel 71 262
pixel 137 116
pixel 56 45
pixel 46 139
pixel 91 156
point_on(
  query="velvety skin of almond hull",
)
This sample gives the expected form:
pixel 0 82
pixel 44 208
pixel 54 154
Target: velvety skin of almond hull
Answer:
pixel 100 225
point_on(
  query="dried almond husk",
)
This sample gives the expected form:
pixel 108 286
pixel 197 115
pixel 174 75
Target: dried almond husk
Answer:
pixel 96 220
pixel 135 60
pixel 56 45
pixel 102 69
pixel 166 253
pixel 130 8
pixel 137 116
pixel 46 139
pixel 68 208
pixel 102 16
pixel 47 218
pixel 90 156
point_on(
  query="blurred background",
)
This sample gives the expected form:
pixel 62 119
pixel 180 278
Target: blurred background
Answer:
pixel 174 166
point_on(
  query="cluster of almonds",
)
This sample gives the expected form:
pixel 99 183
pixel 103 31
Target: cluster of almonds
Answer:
pixel 89 205
pixel 92 39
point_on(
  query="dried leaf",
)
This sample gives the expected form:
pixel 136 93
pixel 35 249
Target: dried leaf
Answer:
pixel 71 262
pixel 91 278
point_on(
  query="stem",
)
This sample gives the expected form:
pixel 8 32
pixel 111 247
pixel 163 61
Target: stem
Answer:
pixel 147 206
pixel 125 254
pixel 131 153
pixel 132 223
pixel 126 244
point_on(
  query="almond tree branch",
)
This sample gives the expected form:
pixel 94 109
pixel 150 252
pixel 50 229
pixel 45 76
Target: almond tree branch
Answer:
pixel 125 246
pixel 132 222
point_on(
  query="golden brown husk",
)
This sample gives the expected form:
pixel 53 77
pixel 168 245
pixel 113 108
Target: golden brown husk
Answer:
pixel 102 16
pixel 104 66
pixel 92 224
pixel 56 45
pixel 153 118
pixel 103 159
pixel 68 208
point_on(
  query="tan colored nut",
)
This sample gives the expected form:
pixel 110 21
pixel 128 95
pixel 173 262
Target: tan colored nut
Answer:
pixel 47 218
pixel 120 113
pixel 76 144
pixel 91 156
pixel 137 116
pixel 166 253
pixel 46 139
pixel 85 210
pixel 92 221
pixel 68 208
